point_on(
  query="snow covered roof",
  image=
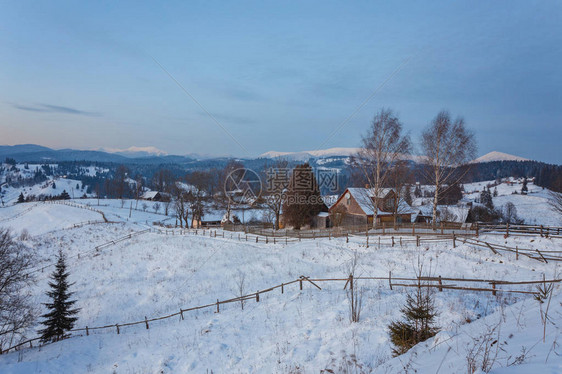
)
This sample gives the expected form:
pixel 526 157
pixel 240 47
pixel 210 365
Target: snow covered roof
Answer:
pixel 364 196
pixel 456 213
pixel 330 200
pixel 149 195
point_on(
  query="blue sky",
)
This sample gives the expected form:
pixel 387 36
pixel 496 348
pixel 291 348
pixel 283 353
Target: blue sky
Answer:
pixel 277 75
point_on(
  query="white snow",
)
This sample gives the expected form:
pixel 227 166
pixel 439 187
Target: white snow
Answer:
pixel 298 331
pixel 497 156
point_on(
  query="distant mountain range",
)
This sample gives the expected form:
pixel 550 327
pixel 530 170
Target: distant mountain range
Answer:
pixel 37 153
pixel 151 155
pixel 346 152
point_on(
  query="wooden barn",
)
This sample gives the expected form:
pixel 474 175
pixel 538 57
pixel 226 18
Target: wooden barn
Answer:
pixel 356 207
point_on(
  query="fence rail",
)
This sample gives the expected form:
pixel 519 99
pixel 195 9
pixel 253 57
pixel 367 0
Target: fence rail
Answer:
pixel 278 238
pixel 426 282
pixel 509 229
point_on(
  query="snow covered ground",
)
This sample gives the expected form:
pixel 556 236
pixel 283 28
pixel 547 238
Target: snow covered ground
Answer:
pixel 534 207
pixel 295 332
pixel 52 187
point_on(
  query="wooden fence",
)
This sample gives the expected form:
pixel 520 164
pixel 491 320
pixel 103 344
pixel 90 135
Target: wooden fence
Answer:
pixel 508 229
pixel 413 229
pixel 75 205
pixel 392 241
pixel 440 283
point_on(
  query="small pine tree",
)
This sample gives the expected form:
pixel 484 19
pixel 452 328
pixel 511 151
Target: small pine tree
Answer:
pixel 495 192
pixel 54 185
pixel 21 198
pixel 64 195
pixel 408 194
pixel 524 189
pixel 486 199
pixel 417 191
pixel 419 325
pixel 59 320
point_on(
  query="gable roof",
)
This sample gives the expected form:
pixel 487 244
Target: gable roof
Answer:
pixel 363 197
pixel 150 194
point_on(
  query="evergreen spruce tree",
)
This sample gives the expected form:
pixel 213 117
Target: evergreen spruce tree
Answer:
pixel 60 318
pixel 54 185
pixel 21 198
pixel 495 192
pixel 408 194
pixel 524 189
pixel 419 315
pixel 303 200
pixel 486 199
pixel 64 195
pixel 417 191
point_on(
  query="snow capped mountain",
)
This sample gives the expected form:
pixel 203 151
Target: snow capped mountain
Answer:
pixel 136 151
pixel 498 156
pixel 304 155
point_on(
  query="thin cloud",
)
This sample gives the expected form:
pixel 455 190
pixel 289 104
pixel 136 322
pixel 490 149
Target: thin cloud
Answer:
pixel 48 108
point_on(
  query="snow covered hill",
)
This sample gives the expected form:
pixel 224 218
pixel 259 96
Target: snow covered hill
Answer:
pixel 292 332
pixel 497 156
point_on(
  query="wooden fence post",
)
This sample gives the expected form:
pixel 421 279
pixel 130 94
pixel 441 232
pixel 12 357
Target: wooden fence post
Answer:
pixel 440 285
pixel 347 237
pixel 493 289
pixel 117 328
pixel 282 288
pixel 181 314
pixel 507 229
pixel 393 241
pixel 300 283
pixel 441 228
pixel 417 241
pixel 87 331
pixel 257 296
pixel 146 322
pixel 516 253
pixel 454 241
pixel 367 242
pixel 390 279
pixel 218 306
pixel 413 229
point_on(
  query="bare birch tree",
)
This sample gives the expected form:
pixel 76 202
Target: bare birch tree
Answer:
pixel 556 202
pixel 16 313
pixel 277 183
pixel 384 146
pixel 446 145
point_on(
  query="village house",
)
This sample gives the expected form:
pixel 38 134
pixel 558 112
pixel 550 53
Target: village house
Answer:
pixel 152 196
pixel 356 207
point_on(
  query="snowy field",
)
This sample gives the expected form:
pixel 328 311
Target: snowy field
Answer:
pixel 295 332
